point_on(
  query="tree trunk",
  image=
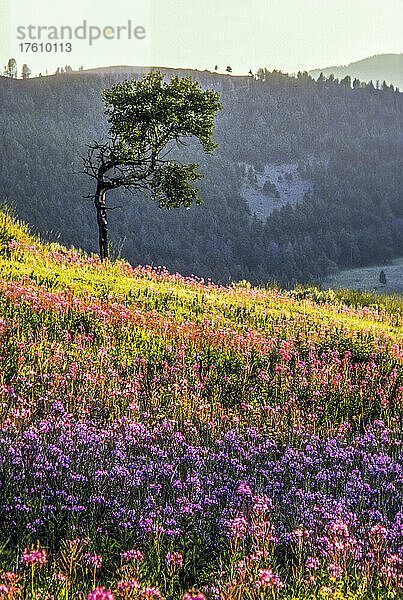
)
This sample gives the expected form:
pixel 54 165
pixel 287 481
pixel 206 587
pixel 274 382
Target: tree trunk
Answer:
pixel 100 205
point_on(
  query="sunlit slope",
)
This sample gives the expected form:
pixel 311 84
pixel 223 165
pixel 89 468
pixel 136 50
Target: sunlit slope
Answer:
pixel 249 347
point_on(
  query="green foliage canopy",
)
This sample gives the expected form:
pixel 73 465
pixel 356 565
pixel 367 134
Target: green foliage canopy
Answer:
pixel 146 118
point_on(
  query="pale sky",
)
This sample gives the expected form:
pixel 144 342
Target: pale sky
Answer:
pixel 290 35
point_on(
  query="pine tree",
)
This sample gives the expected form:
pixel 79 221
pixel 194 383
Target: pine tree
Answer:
pixel 11 69
pixel 26 72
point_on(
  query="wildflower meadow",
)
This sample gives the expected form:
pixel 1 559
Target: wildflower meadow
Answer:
pixel 166 437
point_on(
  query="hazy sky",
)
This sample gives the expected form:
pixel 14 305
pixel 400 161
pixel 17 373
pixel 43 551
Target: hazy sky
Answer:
pixel 290 35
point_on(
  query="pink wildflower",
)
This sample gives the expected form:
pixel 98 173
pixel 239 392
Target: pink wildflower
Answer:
pixel 6 589
pixel 128 585
pixel 238 527
pixel 196 596
pixel 240 567
pixel 339 528
pixel 151 592
pixel 134 555
pixel 300 533
pixel 326 590
pixel 378 530
pixel 100 594
pixel 93 561
pixel 269 579
pixel 244 488
pixel 262 505
pixel 312 563
pixel 36 557
pixel 335 571
pixel 174 559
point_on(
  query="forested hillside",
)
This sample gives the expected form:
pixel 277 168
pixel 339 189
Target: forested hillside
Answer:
pixel 378 68
pixel 324 155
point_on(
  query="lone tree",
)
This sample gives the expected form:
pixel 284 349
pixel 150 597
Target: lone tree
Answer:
pixel 382 277
pixel 11 68
pixel 148 118
pixel 26 71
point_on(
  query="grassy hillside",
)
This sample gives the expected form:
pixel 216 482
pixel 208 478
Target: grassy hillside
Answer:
pixel 160 434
